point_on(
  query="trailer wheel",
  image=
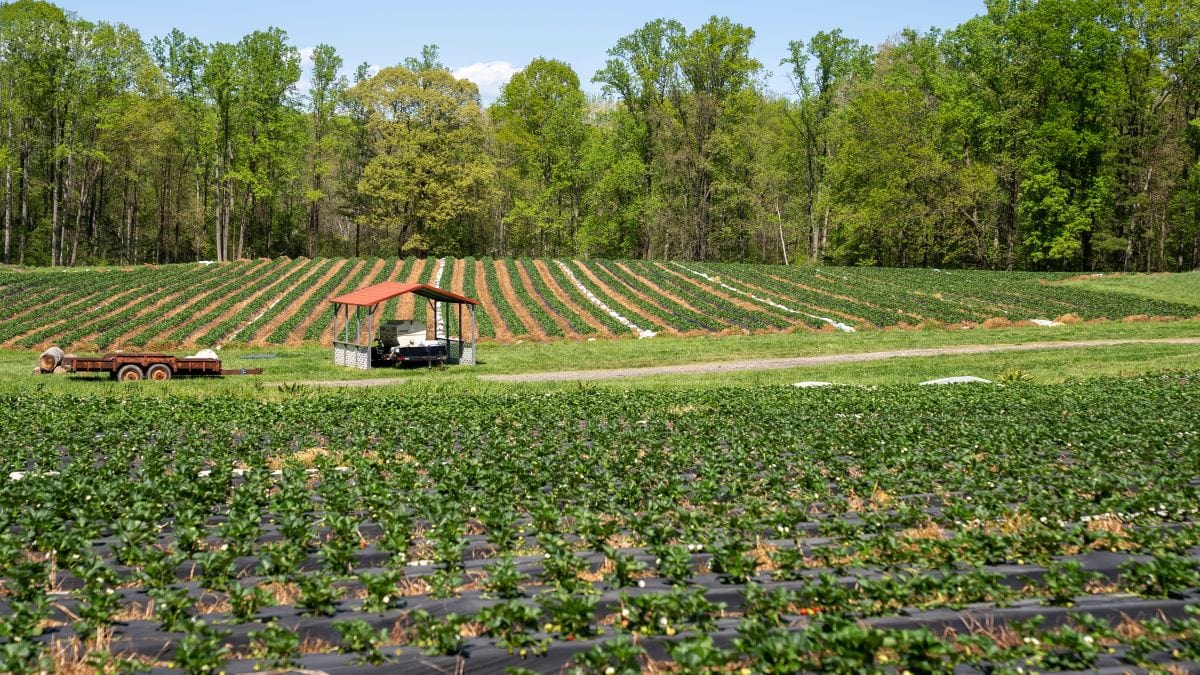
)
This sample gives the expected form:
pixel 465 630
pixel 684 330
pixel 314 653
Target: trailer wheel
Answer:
pixel 129 373
pixel 159 372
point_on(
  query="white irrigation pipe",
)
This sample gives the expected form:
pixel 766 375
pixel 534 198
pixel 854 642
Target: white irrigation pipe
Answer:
pixel 256 318
pixel 845 328
pixel 642 333
pixel 437 281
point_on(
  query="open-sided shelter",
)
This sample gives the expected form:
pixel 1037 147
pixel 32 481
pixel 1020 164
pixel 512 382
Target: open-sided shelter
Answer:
pixel 354 331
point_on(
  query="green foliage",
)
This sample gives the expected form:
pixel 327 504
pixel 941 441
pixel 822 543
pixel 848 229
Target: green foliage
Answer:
pixel 275 645
pixel 429 167
pixel 817 514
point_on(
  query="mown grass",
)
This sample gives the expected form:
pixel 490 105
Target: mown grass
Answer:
pixel 314 364
pixel 1042 366
pixel 1181 287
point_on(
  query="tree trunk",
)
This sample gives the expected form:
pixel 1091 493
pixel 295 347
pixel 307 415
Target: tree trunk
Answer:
pixel 133 223
pixel 8 203
pixel 83 187
pixel 24 192
pixel 242 231
pixel 62 227
pixel 782 241
pixel 314 219
pixel 54 195
pixel 219 203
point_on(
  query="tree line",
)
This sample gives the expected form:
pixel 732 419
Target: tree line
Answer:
pixel 1040 134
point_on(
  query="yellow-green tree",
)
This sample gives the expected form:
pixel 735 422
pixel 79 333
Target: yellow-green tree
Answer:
pixel 430 176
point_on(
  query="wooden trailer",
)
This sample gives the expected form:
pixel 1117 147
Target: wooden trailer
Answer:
pixel 137 366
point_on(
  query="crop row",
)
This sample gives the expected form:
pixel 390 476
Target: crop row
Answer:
pixel 234 321
pixel 675 314
pixel 573 292
pixel 160 305
pixel 539 311
pixel 117 323
pixel 76 324
pixel 317 301
pixel 549 299
pixel 507 314
pixel 814 299
pixel 324 318
pixel 223 303
pixel 307 270
pixel 622 308
pixel 844 529
pixel 406 267
pixel 483 320
pixel 41 305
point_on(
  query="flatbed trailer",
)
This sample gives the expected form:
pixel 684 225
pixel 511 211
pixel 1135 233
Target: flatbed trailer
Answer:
pixel 137 366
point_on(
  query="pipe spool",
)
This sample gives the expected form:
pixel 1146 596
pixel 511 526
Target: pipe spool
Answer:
pixel 50 359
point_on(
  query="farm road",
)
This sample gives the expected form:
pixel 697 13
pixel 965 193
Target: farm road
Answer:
pixel 773 363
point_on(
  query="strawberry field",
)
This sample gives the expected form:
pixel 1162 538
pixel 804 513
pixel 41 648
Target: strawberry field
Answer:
pixel 991 529
pixel 285 301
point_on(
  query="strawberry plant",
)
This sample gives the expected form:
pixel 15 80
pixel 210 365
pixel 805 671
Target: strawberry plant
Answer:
pixel 202 649
pixel 360 638
pixel 276 646
pixel 437 636
pixel 382 590
pixel 511 623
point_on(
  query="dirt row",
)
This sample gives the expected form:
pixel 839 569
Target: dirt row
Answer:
pixel 630 291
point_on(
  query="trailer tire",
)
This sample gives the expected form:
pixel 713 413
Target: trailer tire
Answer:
pixel 160 372
pixel 130 373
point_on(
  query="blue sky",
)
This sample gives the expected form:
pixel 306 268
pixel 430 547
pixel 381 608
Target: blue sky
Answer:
pixel 486 41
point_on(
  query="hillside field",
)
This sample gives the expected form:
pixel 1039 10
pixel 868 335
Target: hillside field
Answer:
pixel 717 522
pixel 284 301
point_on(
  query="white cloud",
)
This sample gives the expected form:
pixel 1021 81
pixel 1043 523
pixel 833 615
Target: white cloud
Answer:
pixel 489 76
pixel 306 57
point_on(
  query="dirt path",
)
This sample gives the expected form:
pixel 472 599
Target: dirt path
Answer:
pixel 801 361
pixel 847 298
pixel 769 364
pixel 597 325
pixel 625 306
pixel 67 311
pixel 674 298
pixel 297 335
pixel 532 328
pixel 405 305
pixel 456 276
pixel 264 333
pixel 566 327
pixel 799 304
pixel 485 299
pixel 740 303
pixel 326 339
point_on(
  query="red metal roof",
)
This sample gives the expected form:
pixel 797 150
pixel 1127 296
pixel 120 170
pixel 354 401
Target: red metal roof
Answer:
pixel 381 292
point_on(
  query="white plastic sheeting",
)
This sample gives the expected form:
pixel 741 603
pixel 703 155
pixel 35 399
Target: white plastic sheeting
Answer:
pixel 642 332
pixel 844 327
pixel 1044 322
pixel 811 383
pixel 958 379
pixel 437 282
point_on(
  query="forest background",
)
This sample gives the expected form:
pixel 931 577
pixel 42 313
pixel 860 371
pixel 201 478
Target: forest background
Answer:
pixel 1047 134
